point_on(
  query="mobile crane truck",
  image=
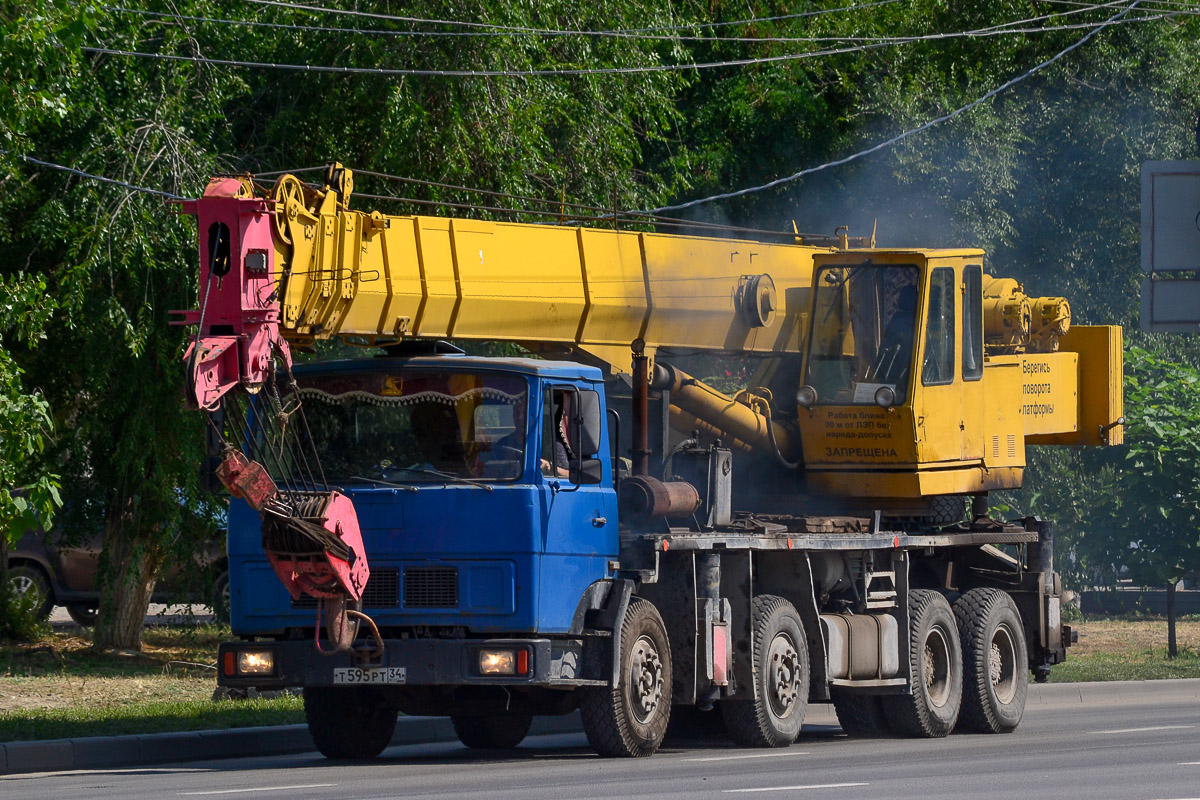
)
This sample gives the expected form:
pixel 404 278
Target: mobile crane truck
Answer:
pixel 596 529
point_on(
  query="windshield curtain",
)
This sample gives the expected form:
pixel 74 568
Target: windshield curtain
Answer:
pixel 864 325
pixel 412 427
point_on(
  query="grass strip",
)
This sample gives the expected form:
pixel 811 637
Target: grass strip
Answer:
pixel 153 717
pixel 1127 665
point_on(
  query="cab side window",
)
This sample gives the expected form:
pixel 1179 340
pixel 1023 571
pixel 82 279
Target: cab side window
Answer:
pixel 972 323
pixel 556 450
pixel 938 367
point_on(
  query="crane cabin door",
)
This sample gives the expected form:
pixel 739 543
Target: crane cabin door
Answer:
pixel 949 400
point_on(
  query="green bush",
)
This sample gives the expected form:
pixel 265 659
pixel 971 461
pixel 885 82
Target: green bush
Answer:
pixel 18 615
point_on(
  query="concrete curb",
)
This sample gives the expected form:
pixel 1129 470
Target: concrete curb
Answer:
pixel 159 748
pixel 1173 690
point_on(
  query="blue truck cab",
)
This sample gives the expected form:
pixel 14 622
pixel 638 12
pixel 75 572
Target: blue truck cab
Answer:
pixel 484 492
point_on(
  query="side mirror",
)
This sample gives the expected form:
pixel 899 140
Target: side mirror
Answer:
pixel 591 417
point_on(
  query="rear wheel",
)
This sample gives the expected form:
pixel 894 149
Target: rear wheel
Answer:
pixel 860 715
pixel 31 585
pixel 630 719
pixel 935 669
pixel 995 661
pixel 493 732
pixel 349 722
pixel 83 614
pixel 781 672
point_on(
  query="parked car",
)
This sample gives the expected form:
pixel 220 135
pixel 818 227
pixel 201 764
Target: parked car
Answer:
pixel 65 572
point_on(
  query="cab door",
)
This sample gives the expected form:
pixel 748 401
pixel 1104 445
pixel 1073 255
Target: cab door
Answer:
pixel 579 505
pixel 939 401
pixel 971 326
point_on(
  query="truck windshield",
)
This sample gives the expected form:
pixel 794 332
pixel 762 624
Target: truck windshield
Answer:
pixel 413 427
pixel 863 329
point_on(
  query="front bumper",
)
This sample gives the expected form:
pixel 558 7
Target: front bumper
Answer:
pixel 425 662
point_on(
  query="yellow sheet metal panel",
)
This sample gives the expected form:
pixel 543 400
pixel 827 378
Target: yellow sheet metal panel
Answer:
pixel 616 287
pixel 393 252
pixel 517 281
pixel 859 435
pixel 1101 374
pixel 441 287
pixel 1049 393
pixel 1003 425
pixel 694 288
pixel 898 486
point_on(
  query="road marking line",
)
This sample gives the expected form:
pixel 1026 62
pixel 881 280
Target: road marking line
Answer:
pixel 796 788
pixel 1143 730
pixel 258 789
pixel 1189 763
pixel 752 755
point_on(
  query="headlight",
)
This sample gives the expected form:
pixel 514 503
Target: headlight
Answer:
pixel 497 662
pixel 504 662
pixel 256 662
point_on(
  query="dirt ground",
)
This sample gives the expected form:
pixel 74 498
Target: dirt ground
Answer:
pixel 62 671
pixel 61 691
pixel 1132 635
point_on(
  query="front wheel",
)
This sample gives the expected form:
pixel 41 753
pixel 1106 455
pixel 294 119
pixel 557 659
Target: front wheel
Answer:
pixel 493 732
pixel 935 670
pixel 348 722
pixel 781 674
pixel 995 661
pixel 630 719
pixel 30 584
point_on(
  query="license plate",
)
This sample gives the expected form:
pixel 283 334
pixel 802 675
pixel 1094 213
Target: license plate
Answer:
pixel 369 675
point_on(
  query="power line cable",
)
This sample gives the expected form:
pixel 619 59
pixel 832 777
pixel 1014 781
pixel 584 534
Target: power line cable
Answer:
pixel 519 29
pixel 906 134
pixel 100 178
pixel 1000 28
pixel 542 73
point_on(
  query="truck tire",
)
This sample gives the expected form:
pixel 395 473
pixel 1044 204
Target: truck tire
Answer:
pixel 630 719
pixel 935 667
pixel 348 722
pixel 781 677
pixel 860 715
pixel 493 732
pixel 995 661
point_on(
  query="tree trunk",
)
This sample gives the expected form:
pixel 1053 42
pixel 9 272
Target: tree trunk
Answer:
pixel 1172 647
pixel 129 570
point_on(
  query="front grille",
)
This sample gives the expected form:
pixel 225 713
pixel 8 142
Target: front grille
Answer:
pixel 431 587
pixel 383 591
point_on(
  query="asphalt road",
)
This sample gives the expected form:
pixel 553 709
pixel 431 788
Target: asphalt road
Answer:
pixel 1145 749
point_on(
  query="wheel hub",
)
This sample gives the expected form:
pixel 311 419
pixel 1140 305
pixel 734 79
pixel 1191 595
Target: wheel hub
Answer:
pixel 645 678
pixel 783 674
pixel 1002 664
pixel 937 668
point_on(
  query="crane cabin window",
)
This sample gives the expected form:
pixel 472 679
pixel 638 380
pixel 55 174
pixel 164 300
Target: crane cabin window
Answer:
pixel 938 367
pixel 416 427
pixel 863 330
pixel 972 322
